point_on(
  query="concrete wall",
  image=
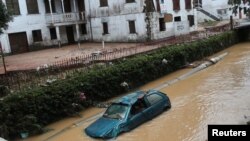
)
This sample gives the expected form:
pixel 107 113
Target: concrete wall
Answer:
pixel 116 14
pixel 115 7
pixel 118 28
pixel 172 27
pixel 212 6
pixel 26 23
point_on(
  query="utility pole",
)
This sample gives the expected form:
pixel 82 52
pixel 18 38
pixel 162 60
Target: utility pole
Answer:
pixel 1 51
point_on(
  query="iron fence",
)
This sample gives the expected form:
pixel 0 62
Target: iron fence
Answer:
pixel 17 80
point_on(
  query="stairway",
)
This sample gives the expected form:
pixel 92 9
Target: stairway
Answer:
pixel 208 14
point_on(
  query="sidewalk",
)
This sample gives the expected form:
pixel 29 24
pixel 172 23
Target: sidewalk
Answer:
pixel 31 60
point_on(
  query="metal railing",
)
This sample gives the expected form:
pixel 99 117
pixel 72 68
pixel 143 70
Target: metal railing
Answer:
pixel 15 80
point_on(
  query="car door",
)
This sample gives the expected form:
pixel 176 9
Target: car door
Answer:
pixel 155 105
pixel 135 120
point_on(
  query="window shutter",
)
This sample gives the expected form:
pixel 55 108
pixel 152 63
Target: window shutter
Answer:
pixel 13 6
pixel 32 6
pixel 188 4
pixel 176 4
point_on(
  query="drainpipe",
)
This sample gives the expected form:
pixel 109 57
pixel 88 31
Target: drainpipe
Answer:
pixel 91 32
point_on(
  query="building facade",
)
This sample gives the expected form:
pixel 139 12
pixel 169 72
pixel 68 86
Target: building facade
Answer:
pixel 40 23
pixel 216 10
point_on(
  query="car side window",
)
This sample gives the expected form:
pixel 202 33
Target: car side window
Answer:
pixel 138 107
pixel 154 98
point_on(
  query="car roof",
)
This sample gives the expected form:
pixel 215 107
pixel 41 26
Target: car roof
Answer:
pixel 130 99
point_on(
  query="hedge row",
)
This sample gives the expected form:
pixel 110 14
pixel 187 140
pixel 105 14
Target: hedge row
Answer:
pixel 30 110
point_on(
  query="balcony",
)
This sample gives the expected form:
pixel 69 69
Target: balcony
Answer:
pixel 64 18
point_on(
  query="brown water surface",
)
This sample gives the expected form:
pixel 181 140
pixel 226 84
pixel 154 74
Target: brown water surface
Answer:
pixel 219 94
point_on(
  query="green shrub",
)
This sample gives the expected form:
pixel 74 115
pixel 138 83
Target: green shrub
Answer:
pixel 45 104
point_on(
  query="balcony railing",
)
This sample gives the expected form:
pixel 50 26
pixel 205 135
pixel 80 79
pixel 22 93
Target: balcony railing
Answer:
pixel 65 17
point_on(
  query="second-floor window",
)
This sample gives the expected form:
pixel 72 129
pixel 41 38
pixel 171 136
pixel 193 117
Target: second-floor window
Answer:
pixel 32 6
pixel 103 3
pixel 188 4
pixel 130 1
pixel 13 6
pixel 176 5
pixel 47 7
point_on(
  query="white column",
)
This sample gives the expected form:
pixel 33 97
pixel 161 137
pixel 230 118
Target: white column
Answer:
pixel 78 34
pixel 62 2
pixel 74 1
pixel 58 35
pixel 51 12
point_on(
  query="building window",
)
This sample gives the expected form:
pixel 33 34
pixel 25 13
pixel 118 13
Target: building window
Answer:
pixel 162 24
pixel 197 3
pixel 131 27
pixel 13 6
pixel 177 19
pixel 162 1
pixel 47 7
pixel 191 20
pixel 37 35
pixel 105 28
pixel 53 33
pixel 32 6
pixel 222 11
pixel 176 4
pixel 103 3
pixel 83 29
pixel 130 1
pixel 188 4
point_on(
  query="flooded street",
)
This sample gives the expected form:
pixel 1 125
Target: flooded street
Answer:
pixel 219 94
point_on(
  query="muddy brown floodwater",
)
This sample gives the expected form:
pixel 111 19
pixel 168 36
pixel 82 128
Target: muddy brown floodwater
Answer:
pixel 219 94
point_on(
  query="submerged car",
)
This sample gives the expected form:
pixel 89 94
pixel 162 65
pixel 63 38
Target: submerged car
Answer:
pixel 129 112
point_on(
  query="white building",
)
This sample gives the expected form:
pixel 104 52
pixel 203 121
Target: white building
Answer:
pixel 40 23
pixel 216 10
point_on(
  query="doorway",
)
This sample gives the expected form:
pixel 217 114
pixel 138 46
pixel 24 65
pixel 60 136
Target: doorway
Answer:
pixel 81 9
pixel 70 34
pixel 18 43
pixel 67 6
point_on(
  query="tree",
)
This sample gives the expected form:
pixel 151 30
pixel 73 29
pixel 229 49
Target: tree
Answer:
pixel 239 5
pixel 5 17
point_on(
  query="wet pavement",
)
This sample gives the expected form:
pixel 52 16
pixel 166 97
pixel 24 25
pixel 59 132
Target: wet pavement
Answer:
pixel 32 60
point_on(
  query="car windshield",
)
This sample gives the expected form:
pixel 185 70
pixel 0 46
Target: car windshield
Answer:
pixel 116 111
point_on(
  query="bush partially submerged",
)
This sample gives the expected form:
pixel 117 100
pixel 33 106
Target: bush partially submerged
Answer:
pixel 62 98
